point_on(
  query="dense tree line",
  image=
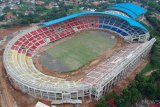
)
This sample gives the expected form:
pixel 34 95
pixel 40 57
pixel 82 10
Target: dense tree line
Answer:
pixel 45 15
pixel 29 15
pixel 39 13
pixel 155 32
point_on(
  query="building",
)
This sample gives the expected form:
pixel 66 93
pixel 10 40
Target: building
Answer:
pixel 10 15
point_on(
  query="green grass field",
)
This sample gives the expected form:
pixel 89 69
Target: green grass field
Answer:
pixel 80 50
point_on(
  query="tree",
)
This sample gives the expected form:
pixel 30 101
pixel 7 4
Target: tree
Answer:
pixel 2 18
pixel 6 10
pixel 120 101
pixel 155 57
pixel 119 1
pixel 40 9
pixel 157 91
pixel 102 6
pixel 102 105
pixel 156 75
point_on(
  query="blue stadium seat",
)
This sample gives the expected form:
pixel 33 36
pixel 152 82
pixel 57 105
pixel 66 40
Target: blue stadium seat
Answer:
pixel 106 27
pixel 101 21
pixel 114 29
pixel 118 31
pixel 124 34
pixel 100 26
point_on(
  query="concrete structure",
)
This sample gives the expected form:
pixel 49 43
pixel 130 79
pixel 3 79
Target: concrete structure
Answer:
pixel 39 104
pixel 24 75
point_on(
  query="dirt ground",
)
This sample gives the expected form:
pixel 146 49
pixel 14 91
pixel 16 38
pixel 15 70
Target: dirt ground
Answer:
pixel 76 75
pixel 25 100
pixel 9 31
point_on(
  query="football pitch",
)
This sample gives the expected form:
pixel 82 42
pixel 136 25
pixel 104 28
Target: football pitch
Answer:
pixel 76 52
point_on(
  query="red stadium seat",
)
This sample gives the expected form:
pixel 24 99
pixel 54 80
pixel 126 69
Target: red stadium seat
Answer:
pixel 34 33
pixel 28 36
pixel 44 29
pixel 29 54
pixel 37 44
pixel 39 38
pixel 16 43
pixel 33 47
pixel 25 43
pixel 57 37
pixel 20 50
pixel 30 44
pixel 42 41
pixel 39 31
pixel 30 39
pixel 23 51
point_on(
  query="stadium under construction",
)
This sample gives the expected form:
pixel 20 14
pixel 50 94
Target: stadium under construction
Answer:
pixel 120 19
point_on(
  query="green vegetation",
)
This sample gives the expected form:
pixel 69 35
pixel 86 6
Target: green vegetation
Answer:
pixel 147 68
pixel 155 32
pixel 28 13
pixel 6 9
pixel 34 13
pixel 2 18
pixel 152 5
pixel 80 50
pixel 102 7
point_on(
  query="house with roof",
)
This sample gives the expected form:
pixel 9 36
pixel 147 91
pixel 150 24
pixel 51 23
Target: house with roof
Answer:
pixel 10 15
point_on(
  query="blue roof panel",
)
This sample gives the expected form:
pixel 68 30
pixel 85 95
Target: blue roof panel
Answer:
pixel 128 12
pixel 63 19
pixel 129 20
pixel 132 7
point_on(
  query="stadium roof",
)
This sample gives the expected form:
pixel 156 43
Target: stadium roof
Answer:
pixel 126 11
pixel 129 20
pixel 131 9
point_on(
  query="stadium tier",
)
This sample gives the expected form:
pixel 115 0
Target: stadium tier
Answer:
pixel 23 74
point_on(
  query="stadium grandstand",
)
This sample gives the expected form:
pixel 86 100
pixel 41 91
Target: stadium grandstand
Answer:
pixel 19 53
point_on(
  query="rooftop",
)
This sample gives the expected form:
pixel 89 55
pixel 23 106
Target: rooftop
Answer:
pixel 129 20
pixel 131 9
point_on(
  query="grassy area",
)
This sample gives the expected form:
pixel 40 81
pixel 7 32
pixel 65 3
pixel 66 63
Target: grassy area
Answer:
pixel 147 68
pixel 82 49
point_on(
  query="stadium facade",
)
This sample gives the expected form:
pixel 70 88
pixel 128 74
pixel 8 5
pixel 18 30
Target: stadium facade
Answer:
pixel 119 19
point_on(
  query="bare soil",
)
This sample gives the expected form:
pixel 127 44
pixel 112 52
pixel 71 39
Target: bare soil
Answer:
pixel 9 31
